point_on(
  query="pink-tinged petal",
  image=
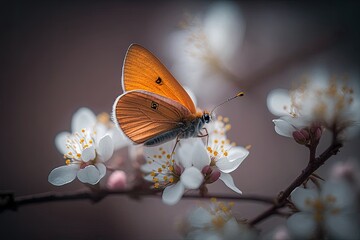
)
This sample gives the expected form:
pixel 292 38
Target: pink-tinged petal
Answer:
pixel 192 178
pixel 60 142
pixel 283 128
pixel 302 198
pixel 88 154
pixel 117 181
pixel 90 174
pixel 200 218
pixel 301 225
pixel 83 118
pixel 338 194
pixel 102 169
pixel 106 148
pixel 279 102
pixel 63 175
pixel 173 193
pixel 229 182
pixel 233 160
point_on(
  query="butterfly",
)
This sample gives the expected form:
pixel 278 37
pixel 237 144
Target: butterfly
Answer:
pixel 154 107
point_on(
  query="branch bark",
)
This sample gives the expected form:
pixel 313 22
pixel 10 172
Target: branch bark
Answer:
pixel 10 203
pixel 313 165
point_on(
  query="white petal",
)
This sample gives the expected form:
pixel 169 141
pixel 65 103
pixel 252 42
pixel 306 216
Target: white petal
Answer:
pixel 185 152
pixel 301 225
pixel 147 168
pixel 302 197
pixel 279 102
pixel 341 192
pixel 63 175
pixel 90 174
pixel 200 157
pixel 229 182
pixel 224 26
pixel 283 127
pixel 60 142
pixel 83 118
pixel 192 178
pixel 343 226
pixel 233 160
pixel 101 130
pixel 200 218
pixel 88 154
pixel 119 138
pixel 173 193
pixel 102 169
pixel 106 148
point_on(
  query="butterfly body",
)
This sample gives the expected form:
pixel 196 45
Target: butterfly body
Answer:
pixel 154 107
pixel 186 129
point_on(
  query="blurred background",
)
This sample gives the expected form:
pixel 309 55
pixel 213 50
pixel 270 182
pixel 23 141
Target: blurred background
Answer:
pixel 58 56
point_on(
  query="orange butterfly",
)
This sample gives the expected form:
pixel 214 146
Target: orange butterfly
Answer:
pixel 154 107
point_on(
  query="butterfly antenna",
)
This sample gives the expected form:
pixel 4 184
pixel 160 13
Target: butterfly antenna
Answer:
pixel 240 94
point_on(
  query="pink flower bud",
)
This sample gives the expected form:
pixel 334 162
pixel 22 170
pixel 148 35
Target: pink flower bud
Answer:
pixel 206 170
pixel 316 131
pixel 117 181
pixel 302 136
pixel 214 176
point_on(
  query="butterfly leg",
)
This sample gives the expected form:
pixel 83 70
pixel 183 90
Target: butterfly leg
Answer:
pixel 205 135
pixel 176 143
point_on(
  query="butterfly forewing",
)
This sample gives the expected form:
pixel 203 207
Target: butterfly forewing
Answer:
pixel 143 115
pixel 143 71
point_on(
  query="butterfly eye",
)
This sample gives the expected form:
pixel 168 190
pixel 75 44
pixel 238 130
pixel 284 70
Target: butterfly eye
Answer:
pixel 206 118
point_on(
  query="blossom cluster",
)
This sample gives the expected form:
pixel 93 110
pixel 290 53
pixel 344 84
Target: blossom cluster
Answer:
pixel 320 101
pixel 193 163
pixel 86 149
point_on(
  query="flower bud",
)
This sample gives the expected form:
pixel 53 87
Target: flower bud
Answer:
pixel 214 176
pixel 302 136
pixel 117 181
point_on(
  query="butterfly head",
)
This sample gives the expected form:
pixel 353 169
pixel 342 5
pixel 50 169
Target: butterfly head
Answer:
pixel 206 117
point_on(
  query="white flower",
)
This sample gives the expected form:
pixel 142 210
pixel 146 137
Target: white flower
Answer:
pixel 331 102
pixel 84 158
pixel 101 124
pixel 333 212
pixel 206 45
pixel 224 157
pixel 172 172
pixel 216 221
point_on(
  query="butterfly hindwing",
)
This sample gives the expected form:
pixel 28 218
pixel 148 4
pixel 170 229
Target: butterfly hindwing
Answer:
pixel 142 115
pixel 143 71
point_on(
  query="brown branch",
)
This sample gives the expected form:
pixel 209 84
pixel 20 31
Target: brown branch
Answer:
pixel 313 165
pixel 11 203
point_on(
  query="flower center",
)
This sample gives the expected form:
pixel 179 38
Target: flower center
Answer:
pixel 166 171
pixel 76 144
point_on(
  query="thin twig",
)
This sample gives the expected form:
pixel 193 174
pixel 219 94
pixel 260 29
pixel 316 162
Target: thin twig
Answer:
pixel 313 165
pixel 96 196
